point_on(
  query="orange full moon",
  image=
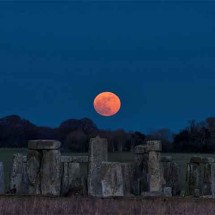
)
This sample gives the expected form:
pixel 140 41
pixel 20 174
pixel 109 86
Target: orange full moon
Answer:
pixel 107 104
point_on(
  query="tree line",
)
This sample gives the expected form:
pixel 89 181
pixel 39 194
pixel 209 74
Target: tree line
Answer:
pixel 75 135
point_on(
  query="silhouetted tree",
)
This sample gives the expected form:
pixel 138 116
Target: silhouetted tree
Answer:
pixel 77 141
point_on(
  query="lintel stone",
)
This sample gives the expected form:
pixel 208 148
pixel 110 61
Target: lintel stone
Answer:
pixel 44 144
pixel 196 160
pixel 154 145
pixel 76 159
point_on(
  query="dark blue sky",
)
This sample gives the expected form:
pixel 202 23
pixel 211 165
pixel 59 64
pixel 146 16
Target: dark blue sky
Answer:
pixel 158 57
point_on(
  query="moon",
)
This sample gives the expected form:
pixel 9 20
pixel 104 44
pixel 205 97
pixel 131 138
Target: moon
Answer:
pixel 107 104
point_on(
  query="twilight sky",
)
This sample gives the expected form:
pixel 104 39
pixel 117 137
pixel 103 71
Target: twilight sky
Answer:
pixel 159 58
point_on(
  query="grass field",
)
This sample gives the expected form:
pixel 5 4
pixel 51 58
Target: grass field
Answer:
pixel 84 205
pixel 6 156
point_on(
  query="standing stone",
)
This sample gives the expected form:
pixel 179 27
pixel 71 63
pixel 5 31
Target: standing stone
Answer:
pixel 194 179
pixel 74 176
pixel 128 177
pixel 44 167
pixel 33 171
pixel 97 154
pixel 166 169
pixel 167 191
pixel 194 175
pixel 112 179
pixel 1 178
pixel 154 167
pixel 196 193
pixel 141 158
pixel 25 181
pixel 209 177
pixel 65 178
pixel 18 175
pixel 155 180
pixel 71 177
pixel 174 178
pixel 51 172
pixel 140 170
pixel 170 174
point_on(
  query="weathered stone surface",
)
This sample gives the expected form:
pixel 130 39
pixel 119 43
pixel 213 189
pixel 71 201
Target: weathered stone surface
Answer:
pixel 17 177
pixel 196 193
pixel 72 181
pixel 1 178
pixel 25 181
pixel 167 191
pixel 166 171
pixel 84 185
pixel 51 172
pixel 97 154
pixel 209 179
pixel 33 171
pixel 74 171
pixel 208 160
pixel 140 170
pixel 196 160
pixel 195 177
pixel 128 177
pixel 44 144
pixel 155 172
pixel 174 178
pixel 141 157
pixel 140 182
pixel 75 159
pixel 170 174
pixel 112 179
pixel 65 178
pixel 140 149
pixel 154 145
pixel 24 158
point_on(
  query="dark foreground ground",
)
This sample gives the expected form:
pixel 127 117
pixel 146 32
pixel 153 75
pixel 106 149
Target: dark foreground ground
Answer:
pixel 27 205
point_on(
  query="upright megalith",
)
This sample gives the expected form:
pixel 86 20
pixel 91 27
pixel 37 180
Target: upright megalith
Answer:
pixel 72 182
pixel 154 166
pixel 141 157
pixel 33 171
pixel 128 178
pixel 208 188
pixel 194 175
pixel 51 172
pixel 44 167
pixel 98 152
pixel 18 177
pixel 112 179
pixel 170 174
pixel 71 178
pixel 1 178
pixel 140 171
